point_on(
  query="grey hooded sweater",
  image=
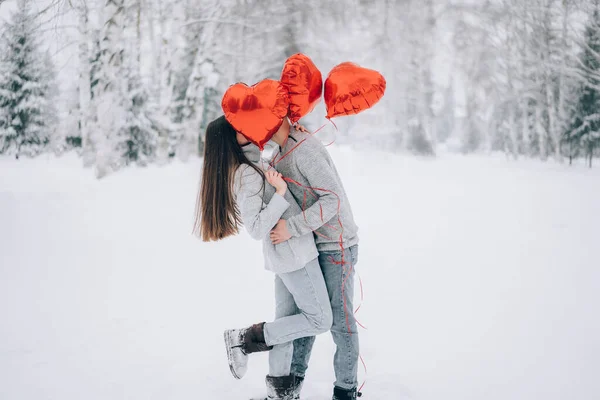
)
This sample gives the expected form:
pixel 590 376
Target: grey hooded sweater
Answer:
pixel 260 208
pixel 327 209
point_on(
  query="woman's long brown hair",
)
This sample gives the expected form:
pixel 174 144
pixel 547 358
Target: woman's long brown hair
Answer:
pixel 217 215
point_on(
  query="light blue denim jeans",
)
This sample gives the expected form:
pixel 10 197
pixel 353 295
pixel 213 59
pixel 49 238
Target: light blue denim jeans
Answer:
pixel 302 308
pixel 345 333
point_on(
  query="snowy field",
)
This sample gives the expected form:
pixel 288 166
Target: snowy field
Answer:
pixel 481 277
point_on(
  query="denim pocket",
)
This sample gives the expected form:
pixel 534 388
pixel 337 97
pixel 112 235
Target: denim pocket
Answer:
pixel 335 257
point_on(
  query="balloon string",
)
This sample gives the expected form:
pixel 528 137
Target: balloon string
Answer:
pixel 362 294
pixel 330 143
pixel 336 130
pixel 329 119
pixel 366 373
pixel 275 162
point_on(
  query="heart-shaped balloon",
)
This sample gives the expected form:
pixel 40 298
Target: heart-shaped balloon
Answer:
pixel 256 111
pixel 304 84
pixel 351 89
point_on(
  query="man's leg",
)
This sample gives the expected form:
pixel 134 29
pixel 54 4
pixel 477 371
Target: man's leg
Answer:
pixel 340 285
pixel 302 350
pixel 347 351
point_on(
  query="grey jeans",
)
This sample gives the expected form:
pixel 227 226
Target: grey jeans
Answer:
pixel 345 362
pixel 302 308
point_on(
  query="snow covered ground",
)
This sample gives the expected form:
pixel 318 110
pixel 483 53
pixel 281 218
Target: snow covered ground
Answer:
pixel 481 276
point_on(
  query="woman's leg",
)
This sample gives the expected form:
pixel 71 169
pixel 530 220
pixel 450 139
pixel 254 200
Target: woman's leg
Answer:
pixel 280 357
pixel 309 292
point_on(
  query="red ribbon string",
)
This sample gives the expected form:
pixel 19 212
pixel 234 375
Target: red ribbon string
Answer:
pixel 331 226
pixel 330 143
pixel 365 367
pixel 362 294
pixel 275 161
pixel 336 129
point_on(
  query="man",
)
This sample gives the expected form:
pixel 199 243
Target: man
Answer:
pixel 327 213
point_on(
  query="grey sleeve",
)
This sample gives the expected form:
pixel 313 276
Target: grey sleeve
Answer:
pixel 316 167
pixel 257 219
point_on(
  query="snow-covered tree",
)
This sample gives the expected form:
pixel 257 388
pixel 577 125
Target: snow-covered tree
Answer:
pixel 585 130
pixel 517 67
pixel 494 75
pixel 195 76
pixel 27 87
pixel 475 75
pixel 89 28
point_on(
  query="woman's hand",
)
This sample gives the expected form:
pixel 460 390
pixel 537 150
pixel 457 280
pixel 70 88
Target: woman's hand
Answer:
pixel 301 128
pixel 276 180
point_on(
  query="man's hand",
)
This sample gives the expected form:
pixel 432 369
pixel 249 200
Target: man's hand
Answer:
pixel 301 128
pixel 280 233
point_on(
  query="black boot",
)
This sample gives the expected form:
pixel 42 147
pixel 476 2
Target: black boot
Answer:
pixel 254 339
pixel 283 387
pixel 345 394
pixel 298 387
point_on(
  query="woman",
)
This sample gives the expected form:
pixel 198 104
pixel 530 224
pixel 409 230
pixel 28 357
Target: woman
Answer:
pixel 233 192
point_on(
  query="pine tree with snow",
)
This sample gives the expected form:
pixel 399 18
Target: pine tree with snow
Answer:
pixel 27 87
pixel 585 130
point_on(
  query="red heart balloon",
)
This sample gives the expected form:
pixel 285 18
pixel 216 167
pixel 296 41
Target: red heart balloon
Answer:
pixel 304 84
pixel 256 111
pixel 350 89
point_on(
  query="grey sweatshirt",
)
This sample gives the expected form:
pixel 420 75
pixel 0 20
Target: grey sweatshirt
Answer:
pixel 311 165
pixel 260 208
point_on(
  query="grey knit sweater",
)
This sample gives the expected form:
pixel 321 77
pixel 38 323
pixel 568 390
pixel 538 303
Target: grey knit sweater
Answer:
pixel 260 208
pixel 311 165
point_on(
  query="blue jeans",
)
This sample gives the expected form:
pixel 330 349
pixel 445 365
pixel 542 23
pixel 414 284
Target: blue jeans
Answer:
pixel 345 362
pixel 302 309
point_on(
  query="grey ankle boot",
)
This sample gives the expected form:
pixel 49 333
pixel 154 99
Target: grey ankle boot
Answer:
pixel 241 342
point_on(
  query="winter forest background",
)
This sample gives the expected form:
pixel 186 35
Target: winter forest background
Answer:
pixel 477 238
pixel 137 81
